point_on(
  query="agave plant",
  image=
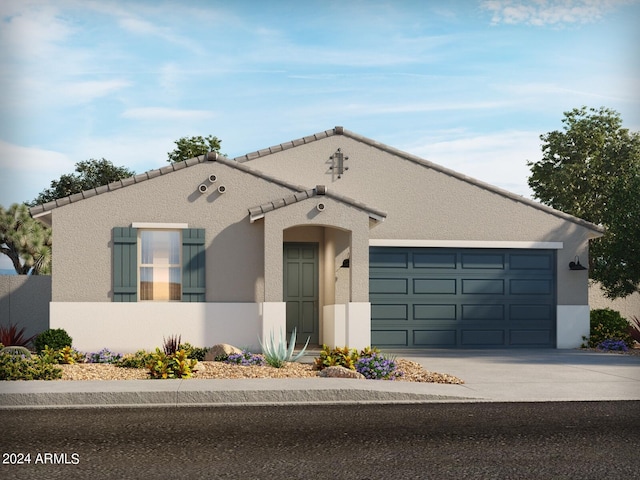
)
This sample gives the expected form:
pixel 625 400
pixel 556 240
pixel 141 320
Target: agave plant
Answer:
pixel 277 353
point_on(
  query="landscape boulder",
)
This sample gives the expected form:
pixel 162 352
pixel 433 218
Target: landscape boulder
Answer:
pixel 219 350
pixel 340 372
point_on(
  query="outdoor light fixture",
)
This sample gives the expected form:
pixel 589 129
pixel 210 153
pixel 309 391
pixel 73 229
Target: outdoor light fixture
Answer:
pixel 345 263
pixel 576 265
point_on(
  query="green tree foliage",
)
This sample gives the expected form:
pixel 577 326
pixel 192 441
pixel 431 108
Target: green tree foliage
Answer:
pixel 190 147
pixel 591 170
pixel 88 174
pixel 25 241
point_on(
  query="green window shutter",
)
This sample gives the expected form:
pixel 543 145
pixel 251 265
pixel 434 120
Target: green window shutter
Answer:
pixel 125 264
pixel 193 265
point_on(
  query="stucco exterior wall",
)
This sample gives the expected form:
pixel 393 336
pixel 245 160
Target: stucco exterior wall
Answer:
pixel 628 306
pixel 82 245
pixel 24 301
pixel 423 203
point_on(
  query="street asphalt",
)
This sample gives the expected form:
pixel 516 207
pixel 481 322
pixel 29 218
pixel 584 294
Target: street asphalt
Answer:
pixel 489 376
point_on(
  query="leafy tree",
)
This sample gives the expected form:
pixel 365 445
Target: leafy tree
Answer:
pixel 25 241
pixel 591 170
pixel 89 174
pixel 190 147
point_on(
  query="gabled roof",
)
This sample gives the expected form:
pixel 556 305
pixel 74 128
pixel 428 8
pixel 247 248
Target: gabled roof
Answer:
pixel 41 211
pixel 256 213
pixel 420 161
pixel 299 192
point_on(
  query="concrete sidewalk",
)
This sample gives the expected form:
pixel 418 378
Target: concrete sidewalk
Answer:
pixel 489 375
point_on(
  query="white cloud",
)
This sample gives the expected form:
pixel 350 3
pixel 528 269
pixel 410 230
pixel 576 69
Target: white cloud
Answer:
pixel 548 12
pixel 82 92
pixel 26 171
pixel 161 113
pixel 498 159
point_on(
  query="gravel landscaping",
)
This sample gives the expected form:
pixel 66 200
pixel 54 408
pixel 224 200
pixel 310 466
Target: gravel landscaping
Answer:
pixel 413 372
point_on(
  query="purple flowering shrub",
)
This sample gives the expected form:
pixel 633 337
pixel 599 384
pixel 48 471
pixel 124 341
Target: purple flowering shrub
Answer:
pixel 612 345
pixel 103 356
pixel 377 366
pixel 245 359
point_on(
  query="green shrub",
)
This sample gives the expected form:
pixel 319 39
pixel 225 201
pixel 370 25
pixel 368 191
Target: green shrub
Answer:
pixel 339 356
pixel 140 359
pixel 177 365
pixel 607 324
pixel 64 356
pixel 196 353
pixel 17 367
pixel 56 339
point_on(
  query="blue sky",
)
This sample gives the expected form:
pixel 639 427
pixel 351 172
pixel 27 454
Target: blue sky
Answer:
pixel 468 84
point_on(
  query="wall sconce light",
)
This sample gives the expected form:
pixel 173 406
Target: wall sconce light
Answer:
pixel 576 265
pixel 345 263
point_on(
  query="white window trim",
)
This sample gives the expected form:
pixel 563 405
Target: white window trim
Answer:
pixel 390 242
pixel 160 226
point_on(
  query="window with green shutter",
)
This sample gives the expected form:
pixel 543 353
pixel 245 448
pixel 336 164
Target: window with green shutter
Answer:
pixel 158 265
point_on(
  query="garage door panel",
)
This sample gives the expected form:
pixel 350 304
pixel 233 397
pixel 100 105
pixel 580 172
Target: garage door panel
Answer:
pixel 483 338
pixel 434 286
pixel 483 286
pixel 390 338
pixel 434 312
pixel 463 297
pixel 530 312
pixel 483 261
pixel 434 338
pixel 530 338
pixel 482 312
pixel 389 259
pixel 389 312
pixel 531 261
pixel 445 261
pixel 389 286
pixel 530 287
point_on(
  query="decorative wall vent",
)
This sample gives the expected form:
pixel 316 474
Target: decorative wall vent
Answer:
pixel 337 164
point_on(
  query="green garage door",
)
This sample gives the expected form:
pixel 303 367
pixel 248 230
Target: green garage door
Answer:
pixel 462 298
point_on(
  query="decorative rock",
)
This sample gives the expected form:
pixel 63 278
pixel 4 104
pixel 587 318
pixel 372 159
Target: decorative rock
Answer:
pixel 198 367
pixel 219 350
pixel 340 372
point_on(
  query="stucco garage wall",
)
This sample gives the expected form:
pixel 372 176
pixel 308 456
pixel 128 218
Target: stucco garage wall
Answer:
pixel 427 203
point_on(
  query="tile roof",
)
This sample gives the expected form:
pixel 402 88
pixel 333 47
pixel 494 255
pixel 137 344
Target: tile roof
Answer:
pixel 425 163
pixel 258 212
pixel 238 162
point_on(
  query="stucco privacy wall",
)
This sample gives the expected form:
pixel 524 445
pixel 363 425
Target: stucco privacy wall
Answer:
pixel 128 327
pixel 628 306
pixel 442 206
pixel 24 301
pixel 82 262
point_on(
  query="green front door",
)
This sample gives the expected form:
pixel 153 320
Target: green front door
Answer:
pixel 301 290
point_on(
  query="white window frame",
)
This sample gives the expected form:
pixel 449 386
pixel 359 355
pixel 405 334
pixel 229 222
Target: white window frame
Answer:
pixel 158 228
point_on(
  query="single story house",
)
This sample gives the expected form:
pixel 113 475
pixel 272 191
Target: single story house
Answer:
pixel 349 240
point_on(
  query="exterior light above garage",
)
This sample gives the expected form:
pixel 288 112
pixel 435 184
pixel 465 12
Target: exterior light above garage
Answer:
pixel 576 265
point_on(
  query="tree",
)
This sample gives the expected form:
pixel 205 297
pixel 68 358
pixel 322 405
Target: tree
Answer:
pixel 89 174
pixel 592 170
pixel 25 241
pixel 193 147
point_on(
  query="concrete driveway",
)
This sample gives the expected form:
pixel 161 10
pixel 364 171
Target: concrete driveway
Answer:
pixel 537 375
